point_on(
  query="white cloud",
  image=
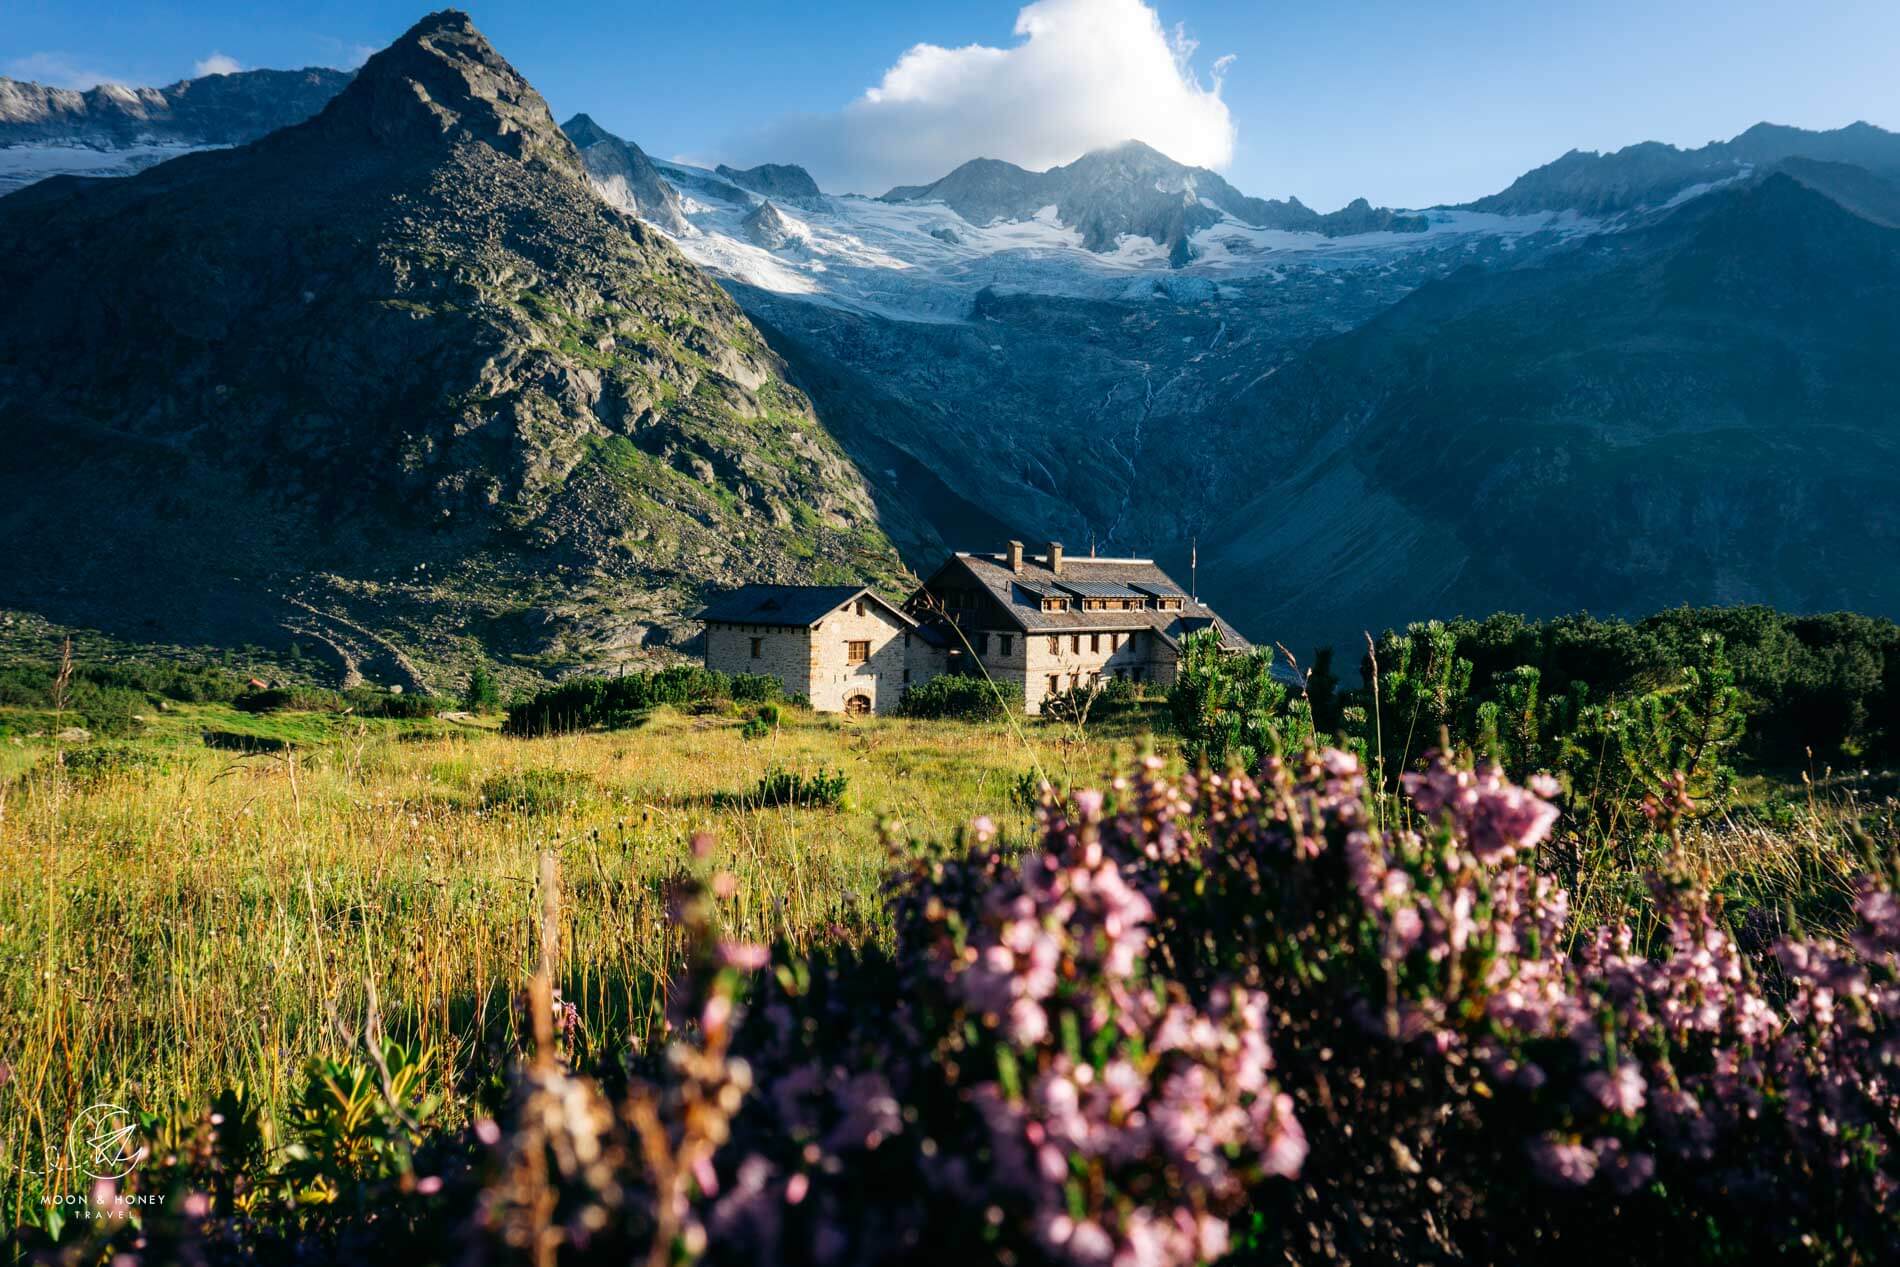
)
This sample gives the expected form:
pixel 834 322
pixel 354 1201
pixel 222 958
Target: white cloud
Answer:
pixel 1084 74
pixel 57 70
pixel 216 64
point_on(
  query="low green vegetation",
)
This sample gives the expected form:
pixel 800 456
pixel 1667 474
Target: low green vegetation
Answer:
pixel 822 788
pixel 106 699
pixel 362 701
pixel 584 703
pixel 967 697
pixel 1694 701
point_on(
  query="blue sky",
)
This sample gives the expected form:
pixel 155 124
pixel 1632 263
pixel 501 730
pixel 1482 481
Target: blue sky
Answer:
pixel 1406 103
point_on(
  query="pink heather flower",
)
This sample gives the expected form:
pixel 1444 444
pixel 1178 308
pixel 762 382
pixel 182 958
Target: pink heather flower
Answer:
pixel 1618 1092
pixel 1028 1023
pixel 1286 1140
pixel 1090 1243
pixel 1338 763
pixel 744 955
pixel 1626 1171
pixel 1561 1163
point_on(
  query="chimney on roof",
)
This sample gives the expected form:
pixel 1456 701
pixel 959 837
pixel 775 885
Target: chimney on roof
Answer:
pixel 1016 556
pixel 1055 557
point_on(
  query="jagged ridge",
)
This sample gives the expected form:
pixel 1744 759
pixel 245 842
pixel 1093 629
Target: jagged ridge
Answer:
pixel 213 110
pixel 1131 189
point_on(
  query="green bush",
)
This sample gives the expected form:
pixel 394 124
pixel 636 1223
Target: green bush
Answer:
pixel 764 721
pixel 369 702
pixel 824 788
pixel 537 791
pixel 292 698
pixel 105 698
pixel 1228 707
pixel 753 688
pixel 98 763
pixel 484 693
pixel 585 702
pixel 966 697
pixel 1826 685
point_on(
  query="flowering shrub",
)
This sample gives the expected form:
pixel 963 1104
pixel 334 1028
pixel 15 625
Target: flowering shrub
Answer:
pixel 1252 1017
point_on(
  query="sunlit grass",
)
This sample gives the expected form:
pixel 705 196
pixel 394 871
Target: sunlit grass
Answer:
pixel 199 918
pixel 212 919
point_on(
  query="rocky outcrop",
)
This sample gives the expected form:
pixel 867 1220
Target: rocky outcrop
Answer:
pixel 396 369
pixel 767 227
pixel 623 175
pixel 774 180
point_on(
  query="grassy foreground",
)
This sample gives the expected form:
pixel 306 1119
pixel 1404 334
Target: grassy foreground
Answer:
pixel 178 918
pixel 182 919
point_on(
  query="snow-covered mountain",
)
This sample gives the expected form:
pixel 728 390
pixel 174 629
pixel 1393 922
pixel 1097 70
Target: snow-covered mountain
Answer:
pixel 918 257
pixel 113 130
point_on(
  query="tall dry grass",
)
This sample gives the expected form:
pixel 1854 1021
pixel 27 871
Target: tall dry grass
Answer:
pixel 171 930
pixel 167 932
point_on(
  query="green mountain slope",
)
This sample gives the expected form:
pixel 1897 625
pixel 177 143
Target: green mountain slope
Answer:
pixel 395 377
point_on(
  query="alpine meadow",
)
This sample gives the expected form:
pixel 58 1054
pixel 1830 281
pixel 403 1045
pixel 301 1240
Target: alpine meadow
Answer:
pixel 781 673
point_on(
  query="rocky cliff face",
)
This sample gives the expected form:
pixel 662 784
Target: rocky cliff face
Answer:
pixel 214 110
pixel 774 180
pixel 395 377
pixel 116 131
pixel 623 175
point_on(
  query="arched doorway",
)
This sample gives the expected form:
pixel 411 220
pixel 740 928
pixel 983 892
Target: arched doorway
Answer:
pixel 857 705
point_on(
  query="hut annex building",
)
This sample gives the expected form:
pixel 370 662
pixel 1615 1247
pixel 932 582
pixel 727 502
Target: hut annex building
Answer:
pixel 1044 622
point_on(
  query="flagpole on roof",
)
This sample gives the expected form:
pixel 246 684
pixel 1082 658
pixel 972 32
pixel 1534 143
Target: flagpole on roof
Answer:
pixel 1194 568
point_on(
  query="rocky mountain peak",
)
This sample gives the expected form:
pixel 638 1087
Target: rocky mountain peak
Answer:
pixel 775 180
pixel 583 131
pixel 1128 156
pixel 769 228
pixel 442 82
pixel 624 176
pixel 399 370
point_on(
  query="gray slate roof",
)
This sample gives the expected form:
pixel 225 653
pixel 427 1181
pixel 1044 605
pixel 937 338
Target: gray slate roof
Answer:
pixel 1012 591
pixel 788 604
